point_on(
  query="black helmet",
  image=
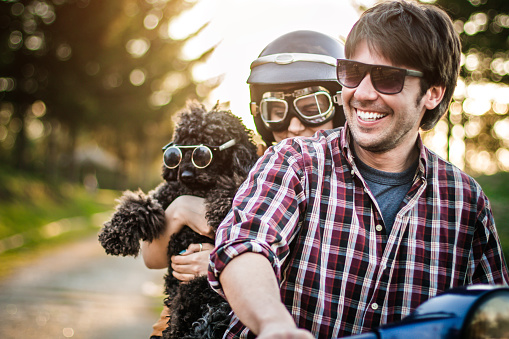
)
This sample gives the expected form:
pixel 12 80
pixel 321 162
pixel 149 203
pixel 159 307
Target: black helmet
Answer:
pixel 300 58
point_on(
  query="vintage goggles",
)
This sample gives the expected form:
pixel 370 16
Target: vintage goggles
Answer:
pixel 311 105
pixel 201 157
pixel 385 79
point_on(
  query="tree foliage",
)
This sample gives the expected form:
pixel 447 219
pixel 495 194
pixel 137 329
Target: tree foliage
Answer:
pixel 478 114
pixel 484 29
pixel 75 72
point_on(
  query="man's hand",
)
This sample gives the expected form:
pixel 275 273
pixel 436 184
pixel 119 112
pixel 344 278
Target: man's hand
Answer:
pixel 192 263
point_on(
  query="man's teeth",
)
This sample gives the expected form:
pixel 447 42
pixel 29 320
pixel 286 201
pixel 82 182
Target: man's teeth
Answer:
pixel 369 116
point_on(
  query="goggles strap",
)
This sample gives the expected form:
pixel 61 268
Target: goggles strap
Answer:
pixel 254 109
pixel 338 99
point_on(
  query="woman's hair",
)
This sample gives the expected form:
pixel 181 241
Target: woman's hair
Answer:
pixel 414 35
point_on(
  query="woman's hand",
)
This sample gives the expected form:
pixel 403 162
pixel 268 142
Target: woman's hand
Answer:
pixel 192 263
pixel 186 210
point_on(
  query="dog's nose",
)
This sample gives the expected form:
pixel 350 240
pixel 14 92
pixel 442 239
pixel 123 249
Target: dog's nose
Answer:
pixel 187 176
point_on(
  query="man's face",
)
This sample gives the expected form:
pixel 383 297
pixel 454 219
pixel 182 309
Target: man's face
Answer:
pixel 380 122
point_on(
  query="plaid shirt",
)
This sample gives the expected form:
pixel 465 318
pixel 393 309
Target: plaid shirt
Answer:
pixel 308 210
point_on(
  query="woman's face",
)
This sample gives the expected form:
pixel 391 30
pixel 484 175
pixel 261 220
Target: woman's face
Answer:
pixel 297 129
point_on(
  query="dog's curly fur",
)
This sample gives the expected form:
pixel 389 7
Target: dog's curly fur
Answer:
pixel 196 311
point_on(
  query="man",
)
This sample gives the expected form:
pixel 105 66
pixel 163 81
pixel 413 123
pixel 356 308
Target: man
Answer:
pixel 336 234
pixel 289 99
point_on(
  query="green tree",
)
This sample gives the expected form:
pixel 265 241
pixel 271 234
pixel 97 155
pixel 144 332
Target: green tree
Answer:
pixel 478 114
pixel 106 71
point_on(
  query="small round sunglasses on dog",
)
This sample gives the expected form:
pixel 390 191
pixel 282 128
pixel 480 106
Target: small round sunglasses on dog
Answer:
pixel 385 79
pixel 201 157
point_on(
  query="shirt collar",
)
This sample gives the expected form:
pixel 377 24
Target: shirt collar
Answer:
pixel 423 159
pixel 347 152
pixel 345 144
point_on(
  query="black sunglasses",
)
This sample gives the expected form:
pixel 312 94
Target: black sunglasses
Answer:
pixel 201 157
pixel 385 79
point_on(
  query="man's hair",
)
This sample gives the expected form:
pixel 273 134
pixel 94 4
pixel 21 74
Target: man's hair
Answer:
pixel 414 35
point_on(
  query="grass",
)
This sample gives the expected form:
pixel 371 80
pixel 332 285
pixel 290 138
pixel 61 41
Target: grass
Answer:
pixel 36 216
pixel 27 202
pixel 496 188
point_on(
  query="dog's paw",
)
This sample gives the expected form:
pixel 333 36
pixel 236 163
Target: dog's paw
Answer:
pixel 116 239
pixel 138 217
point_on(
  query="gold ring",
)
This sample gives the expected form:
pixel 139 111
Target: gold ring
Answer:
pixel 201 247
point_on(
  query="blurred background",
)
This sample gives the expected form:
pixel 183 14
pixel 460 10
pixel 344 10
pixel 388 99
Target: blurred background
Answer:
pixel 90 91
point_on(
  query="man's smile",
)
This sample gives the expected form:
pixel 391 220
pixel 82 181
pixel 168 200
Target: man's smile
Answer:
pixel 369 116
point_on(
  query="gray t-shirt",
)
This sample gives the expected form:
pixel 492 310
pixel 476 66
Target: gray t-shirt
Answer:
pixel 388 188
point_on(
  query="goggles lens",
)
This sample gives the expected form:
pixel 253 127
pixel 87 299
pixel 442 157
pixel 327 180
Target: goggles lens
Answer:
pixel 273 110
pixel 385 79
pixel 313 106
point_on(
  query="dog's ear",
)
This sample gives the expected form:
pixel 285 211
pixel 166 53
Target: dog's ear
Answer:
pixel 244 151
pixel 244 157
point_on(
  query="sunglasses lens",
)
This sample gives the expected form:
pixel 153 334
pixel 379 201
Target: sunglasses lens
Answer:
pixel 387 80
pixel 350 74
pixel 202 156
pixel 172 157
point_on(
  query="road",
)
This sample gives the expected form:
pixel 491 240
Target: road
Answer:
pixel 77 291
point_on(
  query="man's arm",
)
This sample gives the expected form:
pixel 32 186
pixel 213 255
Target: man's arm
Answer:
pixel 252 290
pixel 490 264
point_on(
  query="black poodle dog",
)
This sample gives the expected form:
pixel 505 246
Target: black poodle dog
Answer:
pixel 213 172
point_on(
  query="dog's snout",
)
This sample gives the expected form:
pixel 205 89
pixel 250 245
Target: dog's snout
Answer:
pixel 187 176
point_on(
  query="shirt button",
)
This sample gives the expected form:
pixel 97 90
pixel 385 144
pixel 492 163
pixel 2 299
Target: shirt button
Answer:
pixel 379 228
pixel 374 306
